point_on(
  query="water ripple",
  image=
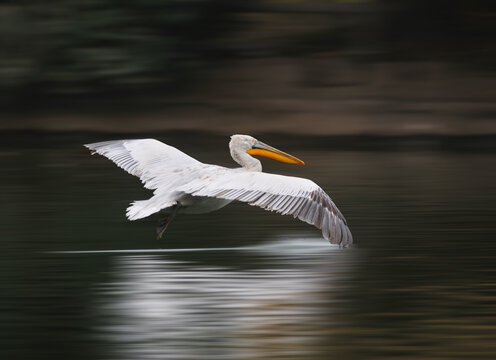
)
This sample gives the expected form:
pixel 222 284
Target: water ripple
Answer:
pixel 156 307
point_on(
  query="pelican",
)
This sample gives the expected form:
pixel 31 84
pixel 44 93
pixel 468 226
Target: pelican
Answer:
pixel 182 183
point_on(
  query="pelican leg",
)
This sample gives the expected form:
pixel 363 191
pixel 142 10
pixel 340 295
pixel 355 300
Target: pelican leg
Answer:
pixel 165 221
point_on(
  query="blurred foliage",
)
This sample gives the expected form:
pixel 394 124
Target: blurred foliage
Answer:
pixel 97 47
pixel 76 46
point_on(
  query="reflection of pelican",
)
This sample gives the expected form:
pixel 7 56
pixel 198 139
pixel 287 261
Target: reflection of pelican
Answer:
pixel 156 306
pixel 181 182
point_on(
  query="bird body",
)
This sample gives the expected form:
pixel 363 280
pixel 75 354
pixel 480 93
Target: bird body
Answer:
pixel 182 183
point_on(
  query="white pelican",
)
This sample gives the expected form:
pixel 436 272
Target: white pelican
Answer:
pixel 183 183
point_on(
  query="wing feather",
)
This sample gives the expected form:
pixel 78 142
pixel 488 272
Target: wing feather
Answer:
pixel 286 195
pixel 148 159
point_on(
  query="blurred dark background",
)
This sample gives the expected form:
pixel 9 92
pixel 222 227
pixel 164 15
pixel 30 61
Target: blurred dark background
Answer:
pixel 339 67
pixel 390 103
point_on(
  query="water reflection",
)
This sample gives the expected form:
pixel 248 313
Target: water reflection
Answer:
pixel 278 307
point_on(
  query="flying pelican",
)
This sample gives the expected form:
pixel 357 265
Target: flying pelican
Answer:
pixel 183 183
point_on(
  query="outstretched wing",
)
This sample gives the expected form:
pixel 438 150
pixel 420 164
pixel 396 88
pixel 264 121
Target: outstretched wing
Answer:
pixel 286 195
pixel 144 158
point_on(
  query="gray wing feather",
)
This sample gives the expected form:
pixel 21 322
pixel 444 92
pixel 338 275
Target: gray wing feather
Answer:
pixel 286 195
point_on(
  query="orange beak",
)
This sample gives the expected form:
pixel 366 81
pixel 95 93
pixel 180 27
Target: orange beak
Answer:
pixel 261 149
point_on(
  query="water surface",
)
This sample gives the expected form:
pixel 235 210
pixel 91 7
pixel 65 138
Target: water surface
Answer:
pixel 79 281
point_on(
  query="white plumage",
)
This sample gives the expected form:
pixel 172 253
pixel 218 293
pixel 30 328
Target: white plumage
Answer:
pixel 177 178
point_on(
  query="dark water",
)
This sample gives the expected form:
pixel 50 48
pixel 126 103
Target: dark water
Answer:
pixel 79 281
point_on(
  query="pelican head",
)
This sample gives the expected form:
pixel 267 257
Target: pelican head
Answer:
pixel 242 146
